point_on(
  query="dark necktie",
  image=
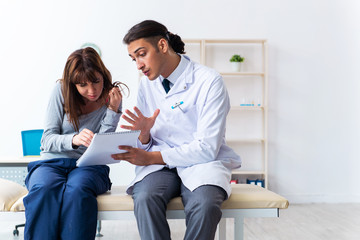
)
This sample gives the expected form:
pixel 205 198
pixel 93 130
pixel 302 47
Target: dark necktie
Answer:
pixel 166 85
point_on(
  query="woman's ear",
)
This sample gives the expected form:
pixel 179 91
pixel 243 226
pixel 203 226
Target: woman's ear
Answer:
pixel 163 45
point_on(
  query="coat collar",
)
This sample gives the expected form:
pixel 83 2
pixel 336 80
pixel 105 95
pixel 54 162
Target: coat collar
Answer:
pixel 181 78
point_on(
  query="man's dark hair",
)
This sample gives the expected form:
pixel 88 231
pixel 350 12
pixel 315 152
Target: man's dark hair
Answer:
pixel 153 31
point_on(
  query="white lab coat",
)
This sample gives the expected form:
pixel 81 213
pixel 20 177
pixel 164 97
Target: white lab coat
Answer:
pixel 192 137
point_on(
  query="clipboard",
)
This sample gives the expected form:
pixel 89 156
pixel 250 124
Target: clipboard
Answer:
pixel 104 144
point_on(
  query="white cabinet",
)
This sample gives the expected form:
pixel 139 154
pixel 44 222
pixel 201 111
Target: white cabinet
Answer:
pixel 246 126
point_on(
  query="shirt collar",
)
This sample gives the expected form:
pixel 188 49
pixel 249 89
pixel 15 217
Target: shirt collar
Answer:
pixel 178 70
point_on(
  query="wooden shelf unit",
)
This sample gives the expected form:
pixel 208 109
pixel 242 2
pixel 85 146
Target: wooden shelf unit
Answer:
pixel 216 53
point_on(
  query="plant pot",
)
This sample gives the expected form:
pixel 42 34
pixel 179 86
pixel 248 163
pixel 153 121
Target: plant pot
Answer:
pixel 236 66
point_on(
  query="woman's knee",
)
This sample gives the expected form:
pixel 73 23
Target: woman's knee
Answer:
pixel 88 180
pixel 47 187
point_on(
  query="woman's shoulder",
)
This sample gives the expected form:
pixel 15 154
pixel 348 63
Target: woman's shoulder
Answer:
pixel 57 85
pixel 56 92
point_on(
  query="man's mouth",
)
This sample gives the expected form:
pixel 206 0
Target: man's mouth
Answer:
pixel 146 73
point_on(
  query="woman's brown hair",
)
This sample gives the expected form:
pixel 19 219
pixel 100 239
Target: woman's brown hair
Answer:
pixel 82 65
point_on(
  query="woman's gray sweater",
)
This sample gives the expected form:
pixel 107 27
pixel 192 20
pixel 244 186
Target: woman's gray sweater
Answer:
pixel 56 141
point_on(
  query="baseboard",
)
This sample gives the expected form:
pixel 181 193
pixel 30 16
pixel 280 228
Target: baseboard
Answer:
pixel 321 198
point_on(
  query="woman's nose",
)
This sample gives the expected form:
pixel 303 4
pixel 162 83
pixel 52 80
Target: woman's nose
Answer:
pixel 92 88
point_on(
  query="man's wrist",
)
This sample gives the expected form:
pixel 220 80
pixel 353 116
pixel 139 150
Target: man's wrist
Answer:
pixel 144 138
pixel 156 158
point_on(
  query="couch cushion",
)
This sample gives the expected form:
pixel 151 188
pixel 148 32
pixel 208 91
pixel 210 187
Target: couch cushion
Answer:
pixel 242 196
pixel 253 196
pixel 10 192
pixel 18 205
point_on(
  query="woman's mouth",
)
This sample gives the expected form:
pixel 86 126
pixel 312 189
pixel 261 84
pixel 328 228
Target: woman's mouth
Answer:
pixel 92 96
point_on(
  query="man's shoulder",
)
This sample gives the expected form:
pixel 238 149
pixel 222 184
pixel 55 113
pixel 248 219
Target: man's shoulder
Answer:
pixel 201 70
pixel 205 76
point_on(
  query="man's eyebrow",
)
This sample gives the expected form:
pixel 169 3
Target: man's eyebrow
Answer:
pixel 138 49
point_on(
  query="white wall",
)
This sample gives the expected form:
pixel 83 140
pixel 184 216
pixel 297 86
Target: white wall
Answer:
pixel 313 73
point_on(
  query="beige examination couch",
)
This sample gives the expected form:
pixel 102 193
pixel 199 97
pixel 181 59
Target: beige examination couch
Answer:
pixel 245 201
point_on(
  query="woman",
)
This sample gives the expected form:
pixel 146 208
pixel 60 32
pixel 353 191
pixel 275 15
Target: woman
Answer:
pixel 61 203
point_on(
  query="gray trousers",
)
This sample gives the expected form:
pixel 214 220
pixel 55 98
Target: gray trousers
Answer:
pixel 202 206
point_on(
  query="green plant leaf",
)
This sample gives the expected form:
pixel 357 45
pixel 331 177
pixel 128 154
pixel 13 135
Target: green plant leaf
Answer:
pixel 236 58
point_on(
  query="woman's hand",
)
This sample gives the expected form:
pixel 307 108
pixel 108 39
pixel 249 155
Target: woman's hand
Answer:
pixel 83 138
pixel 140 122
pixel 115 98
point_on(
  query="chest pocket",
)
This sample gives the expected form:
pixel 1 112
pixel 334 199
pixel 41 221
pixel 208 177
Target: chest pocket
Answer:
pixel 186 119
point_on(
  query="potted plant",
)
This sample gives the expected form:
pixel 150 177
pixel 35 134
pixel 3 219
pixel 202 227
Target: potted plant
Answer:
pixel 236 60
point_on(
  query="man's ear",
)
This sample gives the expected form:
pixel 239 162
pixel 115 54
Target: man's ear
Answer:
pixel 163 45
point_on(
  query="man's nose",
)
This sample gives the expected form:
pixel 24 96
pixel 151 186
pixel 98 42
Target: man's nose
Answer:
pixel 139 64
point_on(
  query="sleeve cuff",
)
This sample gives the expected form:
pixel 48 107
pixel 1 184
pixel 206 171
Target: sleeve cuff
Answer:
pixel 167 160
pixel 68 142
pixel 146 146
pixel 111 117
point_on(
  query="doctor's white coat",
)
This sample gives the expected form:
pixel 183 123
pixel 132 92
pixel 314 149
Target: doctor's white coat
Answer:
pixel 190 137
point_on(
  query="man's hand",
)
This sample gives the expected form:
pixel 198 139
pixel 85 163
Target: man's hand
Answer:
pixel 138 156
pixel 139 122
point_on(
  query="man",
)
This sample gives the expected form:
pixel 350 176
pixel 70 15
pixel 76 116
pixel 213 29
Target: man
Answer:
pixel 181 112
